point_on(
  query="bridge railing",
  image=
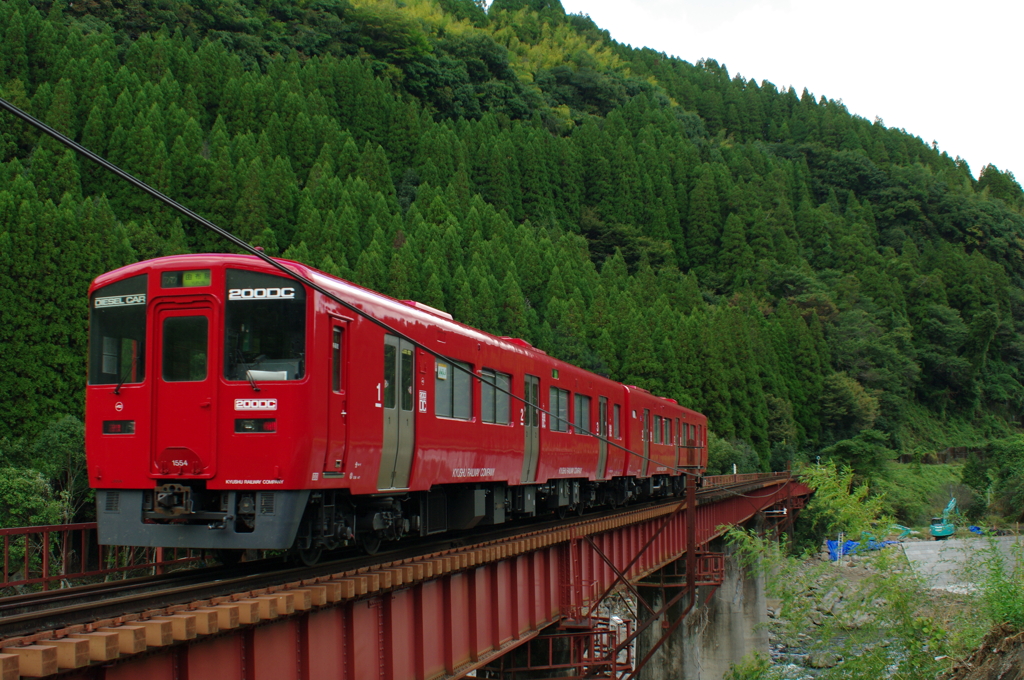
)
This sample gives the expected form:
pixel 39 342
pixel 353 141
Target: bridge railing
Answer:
pixel 47 555
pixel 723 480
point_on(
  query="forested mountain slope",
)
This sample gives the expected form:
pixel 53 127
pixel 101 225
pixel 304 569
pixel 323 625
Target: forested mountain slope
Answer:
pixel 805 277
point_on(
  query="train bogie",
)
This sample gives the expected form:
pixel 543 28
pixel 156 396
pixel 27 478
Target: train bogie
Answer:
pixel 230 407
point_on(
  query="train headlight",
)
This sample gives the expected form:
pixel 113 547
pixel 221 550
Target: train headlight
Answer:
pixel 248 425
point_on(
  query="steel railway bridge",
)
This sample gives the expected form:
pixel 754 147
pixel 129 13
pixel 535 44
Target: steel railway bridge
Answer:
pixel 529 604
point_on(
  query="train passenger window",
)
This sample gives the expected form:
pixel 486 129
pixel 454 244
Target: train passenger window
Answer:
pixel 463 393
pixel 407 379
pixel 390 375
pixel 657 429
pixel 581 415
pixel 185 354
pixel 617 412
pixel 494 404
pixel 559 408
pixel 117 333
pixel 264 327
pixel 336 344
pixel 453 391
pixel 502 401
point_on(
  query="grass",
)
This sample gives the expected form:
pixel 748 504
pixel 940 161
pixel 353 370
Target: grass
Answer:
pixel 921 428
pixel 914 493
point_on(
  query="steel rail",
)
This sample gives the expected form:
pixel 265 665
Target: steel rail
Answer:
pixel 14 605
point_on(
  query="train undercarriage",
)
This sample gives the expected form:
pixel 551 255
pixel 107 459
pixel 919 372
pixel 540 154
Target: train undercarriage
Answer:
pixel 309 523
pixel 334 519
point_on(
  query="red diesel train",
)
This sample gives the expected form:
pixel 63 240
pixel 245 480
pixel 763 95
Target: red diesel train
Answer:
pixel 229 407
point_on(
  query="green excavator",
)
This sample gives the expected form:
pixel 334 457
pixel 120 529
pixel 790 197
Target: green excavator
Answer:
pixel 943 527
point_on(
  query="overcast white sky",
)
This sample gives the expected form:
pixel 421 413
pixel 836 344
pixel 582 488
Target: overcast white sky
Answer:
pixel 944 71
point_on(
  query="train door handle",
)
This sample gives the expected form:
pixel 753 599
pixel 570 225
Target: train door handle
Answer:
pixel 344 413
pixel 205 404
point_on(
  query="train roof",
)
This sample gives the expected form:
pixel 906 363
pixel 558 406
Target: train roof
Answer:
pixel 408 309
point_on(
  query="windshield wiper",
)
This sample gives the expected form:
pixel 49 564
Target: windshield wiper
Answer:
pixel 128 372
pixel 240 360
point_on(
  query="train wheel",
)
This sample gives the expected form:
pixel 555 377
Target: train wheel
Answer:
pixel 308 556
pixel 562 511
pixel 370 543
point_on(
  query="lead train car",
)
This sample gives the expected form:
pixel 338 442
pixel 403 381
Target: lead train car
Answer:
pixel 229 407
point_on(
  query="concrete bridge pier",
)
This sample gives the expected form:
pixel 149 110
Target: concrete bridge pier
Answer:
pixel 715 633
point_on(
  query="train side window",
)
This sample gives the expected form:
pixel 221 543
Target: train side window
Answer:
pixel 390 371
pixel 407 379
pixel 462 406
pixel 657 429
pixel 494 403
pixel 559 408
pixel 617 412
pixel 581 415
pixel 453 391
pixel 535 402
pixel 668 430
pixel 336 344
pixel 502 401
pixel 487 382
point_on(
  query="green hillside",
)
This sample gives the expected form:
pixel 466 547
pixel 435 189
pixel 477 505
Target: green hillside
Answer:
pixel 807 278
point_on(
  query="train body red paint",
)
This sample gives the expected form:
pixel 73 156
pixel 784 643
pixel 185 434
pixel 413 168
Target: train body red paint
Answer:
pixel 229 407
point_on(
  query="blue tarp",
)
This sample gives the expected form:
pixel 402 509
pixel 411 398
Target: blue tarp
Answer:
pixel 853 547
pixel 977 530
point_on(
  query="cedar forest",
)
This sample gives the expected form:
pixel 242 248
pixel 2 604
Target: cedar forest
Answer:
pixel 816 283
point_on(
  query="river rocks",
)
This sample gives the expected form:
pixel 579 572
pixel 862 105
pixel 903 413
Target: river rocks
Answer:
pixel 822 660
pixel 858 620
pixel 830 601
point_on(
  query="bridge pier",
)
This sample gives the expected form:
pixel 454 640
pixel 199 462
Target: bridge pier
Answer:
pixel 715 634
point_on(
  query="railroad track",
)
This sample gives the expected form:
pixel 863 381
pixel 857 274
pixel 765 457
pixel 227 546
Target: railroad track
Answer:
pixel 33 615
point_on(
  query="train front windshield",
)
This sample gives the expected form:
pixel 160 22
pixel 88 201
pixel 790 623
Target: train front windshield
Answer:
pixel 117 333
pixel 264 327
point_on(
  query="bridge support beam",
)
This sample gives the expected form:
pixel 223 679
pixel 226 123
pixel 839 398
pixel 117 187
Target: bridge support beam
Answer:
pixel 725 624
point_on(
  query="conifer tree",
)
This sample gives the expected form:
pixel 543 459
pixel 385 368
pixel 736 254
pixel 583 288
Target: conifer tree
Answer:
pixel 513 321
pixel 737 259
pixel 703 221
